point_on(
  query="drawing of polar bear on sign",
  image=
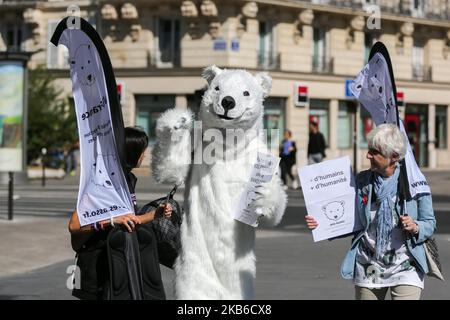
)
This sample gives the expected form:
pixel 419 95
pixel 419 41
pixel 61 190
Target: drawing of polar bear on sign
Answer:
pixel 334 210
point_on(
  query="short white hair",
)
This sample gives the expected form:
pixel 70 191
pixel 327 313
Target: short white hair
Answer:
pixel 388 140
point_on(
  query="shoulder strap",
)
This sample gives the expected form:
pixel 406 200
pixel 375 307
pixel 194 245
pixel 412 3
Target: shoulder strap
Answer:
pixel 172 193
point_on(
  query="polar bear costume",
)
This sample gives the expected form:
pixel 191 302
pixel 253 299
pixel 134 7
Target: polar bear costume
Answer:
pixel 217 260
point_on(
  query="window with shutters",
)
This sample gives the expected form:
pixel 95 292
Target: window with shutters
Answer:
pixel 167 53
pixel 57 57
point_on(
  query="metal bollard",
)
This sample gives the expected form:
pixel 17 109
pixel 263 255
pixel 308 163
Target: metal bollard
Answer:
pixel 44 152
pixel 10 195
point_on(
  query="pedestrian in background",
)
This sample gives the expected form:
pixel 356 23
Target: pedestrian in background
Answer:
pixel 316 144
pixel 288 152
pixel 72 159
pixel 388 254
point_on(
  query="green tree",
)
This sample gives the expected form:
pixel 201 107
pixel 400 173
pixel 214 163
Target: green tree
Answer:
pixel 51 117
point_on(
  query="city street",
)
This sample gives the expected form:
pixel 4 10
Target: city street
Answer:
pixel 107 84
pixel 35 248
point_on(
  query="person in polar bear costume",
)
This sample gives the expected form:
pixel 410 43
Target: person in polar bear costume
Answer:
pixel 217 259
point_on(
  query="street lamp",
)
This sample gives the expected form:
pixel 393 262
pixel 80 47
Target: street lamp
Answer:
pixel 13 117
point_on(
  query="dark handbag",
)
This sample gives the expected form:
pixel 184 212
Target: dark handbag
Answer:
pixel 114 264
pixel 429 246
pixel 167 230
pixel 133 265
pixel 432 254
pixel 92 265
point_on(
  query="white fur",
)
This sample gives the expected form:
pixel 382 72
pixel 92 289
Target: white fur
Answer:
pixel 217 260
pixel 171 154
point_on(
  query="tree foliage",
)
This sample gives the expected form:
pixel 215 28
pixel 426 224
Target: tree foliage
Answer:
pixel 51 117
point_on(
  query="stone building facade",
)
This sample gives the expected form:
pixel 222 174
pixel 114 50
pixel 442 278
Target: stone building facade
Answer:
pixel 159 47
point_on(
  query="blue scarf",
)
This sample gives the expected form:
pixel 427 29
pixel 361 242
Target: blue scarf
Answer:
pixel 385 189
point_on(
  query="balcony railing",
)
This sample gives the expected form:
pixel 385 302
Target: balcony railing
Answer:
pixel 268 61
pixel 425 11
pixel 322 64
pixel 421 73
pixel 14 48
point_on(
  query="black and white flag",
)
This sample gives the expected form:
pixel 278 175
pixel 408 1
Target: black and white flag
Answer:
pixel 104 191
pixel 376 91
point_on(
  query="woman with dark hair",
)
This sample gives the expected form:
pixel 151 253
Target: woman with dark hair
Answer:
pixel 136 142
pixel 91 239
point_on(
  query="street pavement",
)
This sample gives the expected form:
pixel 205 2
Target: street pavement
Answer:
pixel 35 247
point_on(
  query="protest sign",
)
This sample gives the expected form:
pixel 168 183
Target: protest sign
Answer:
pixel 329 191
pixel 262 172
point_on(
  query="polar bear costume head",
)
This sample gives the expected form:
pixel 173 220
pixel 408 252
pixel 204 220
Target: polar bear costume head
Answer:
pixel 234 98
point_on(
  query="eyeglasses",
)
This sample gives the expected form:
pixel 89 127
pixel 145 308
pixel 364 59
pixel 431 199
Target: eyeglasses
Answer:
pixel 374 151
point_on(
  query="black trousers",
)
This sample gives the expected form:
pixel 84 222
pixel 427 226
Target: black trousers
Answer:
pixel 286 170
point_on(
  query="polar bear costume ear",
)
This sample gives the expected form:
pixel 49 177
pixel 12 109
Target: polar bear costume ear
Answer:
pixel 265 81
pixel 209 73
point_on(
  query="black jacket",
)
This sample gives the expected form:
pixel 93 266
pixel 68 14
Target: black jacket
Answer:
pixel 103 272
pixel 316 144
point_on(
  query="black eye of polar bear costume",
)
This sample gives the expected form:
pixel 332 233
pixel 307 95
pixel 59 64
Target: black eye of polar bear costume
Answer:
pixel 246 93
